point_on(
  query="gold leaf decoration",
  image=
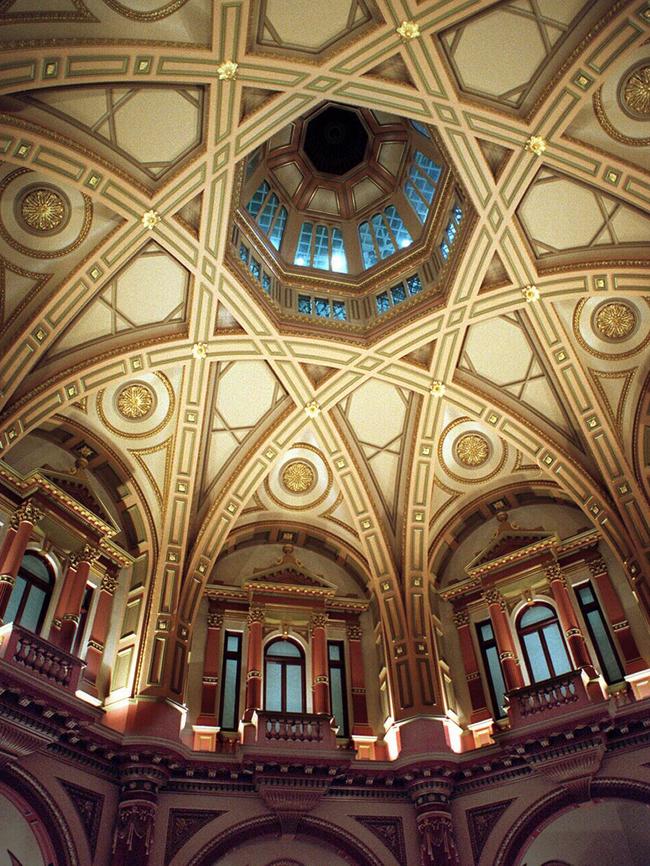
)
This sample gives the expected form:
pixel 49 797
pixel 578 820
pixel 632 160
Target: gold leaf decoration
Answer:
pixel 472 450
pixel 298 477
pixel 135 401
pixel 43 210
pixel 615 321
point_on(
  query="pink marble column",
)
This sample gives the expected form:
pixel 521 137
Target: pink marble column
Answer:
pixel 13 549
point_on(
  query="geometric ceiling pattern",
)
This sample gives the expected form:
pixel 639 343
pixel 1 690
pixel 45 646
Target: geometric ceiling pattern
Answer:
pixel 191 377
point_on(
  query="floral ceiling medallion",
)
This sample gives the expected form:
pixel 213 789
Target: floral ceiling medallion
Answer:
pixel 135 401
pixel 472 450
pixel 43 210
pixel 298 476
pixel 636 92
pixel 615 321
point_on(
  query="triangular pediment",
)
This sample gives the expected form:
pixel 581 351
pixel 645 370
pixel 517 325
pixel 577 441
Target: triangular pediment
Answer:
pixel 289 571
pixel 78 486
pixel 507 540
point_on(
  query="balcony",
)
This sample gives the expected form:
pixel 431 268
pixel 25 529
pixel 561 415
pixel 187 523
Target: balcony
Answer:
pixel 25 651
pixel 280 731
pixel 557 701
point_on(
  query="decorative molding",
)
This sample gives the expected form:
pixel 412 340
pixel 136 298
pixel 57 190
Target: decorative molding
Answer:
pixel 89 806
pixel 390 831
pixel 183 824
pixel 480 823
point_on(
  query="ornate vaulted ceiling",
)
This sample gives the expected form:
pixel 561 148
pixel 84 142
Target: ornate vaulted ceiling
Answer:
pixel 184 383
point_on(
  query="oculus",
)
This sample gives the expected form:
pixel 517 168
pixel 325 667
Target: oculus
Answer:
pixel 614 320
pixel 472 450
pixel 43 210
pixel 135 401
pixel 335 141
pixel 298 476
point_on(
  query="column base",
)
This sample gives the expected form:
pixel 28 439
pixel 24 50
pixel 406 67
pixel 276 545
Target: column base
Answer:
pixel 365 746
pixel 482 732
pixel 421 735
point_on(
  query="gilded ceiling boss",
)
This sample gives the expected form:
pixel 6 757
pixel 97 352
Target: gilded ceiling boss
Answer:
pixel 324 433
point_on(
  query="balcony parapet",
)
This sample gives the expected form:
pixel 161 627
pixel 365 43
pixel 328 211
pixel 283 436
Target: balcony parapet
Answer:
pixel 277 730
pixel 26 651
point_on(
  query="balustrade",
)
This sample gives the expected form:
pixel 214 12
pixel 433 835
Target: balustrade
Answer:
pixel 26 651
pixel 312 729
pixel 548 699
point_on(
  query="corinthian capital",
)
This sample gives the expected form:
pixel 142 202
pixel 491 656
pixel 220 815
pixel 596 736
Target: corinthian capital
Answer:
pixel 26 513
pixel 493 596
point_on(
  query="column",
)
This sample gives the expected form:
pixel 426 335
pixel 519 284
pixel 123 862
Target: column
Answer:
pixel 569 620
pixel 480 709
pixel 503 636
pixel 254 662
pixel 433 819
pixel 136 813
pixel 633 662
pixel 73 590
pixel 99 631
pixel 360 724
pixel 319 664
pixel 13 549
pixel 206 728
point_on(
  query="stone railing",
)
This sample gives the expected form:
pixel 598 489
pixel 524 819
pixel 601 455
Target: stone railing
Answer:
pixel 551 698
pixel 27 651
pixel 275 730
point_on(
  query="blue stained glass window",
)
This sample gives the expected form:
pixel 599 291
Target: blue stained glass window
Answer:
pixel 266 283
pixel 339 259
pixel 414 283
pixel 399 293
pixel 339 311
pixel 304 304
pixel 243 253
pixel 422 184
pixel 421 128
pixel 268 213
pixel 382 236
pixel 451 232
pixel 432 170
pixel 382 302
pixel 367 246
pixel 396 225
pixel 255 268
pixel 277 232
pixel 417 203
pixel 321 248
pixel 322 307
pixel 254 205
pixel 458 213
pixel 303 252
pixel 444 250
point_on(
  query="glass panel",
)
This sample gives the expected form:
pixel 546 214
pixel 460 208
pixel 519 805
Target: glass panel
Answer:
pixel 294 688
pixel 458 213
pixel 414 283
pixel 382 302
pixel 303 253
pixel 255 268
pixel 494 670
pixel 283 648
pixel 334 651
pixel 230 698
pixel 321 249
pixel 422 184
pixel 277 232
pixel 232 643
pixel 339 259
pixel 421 128
pixel 336 691
pixel 367 246
pixel 417 203
pixel 266 283
pixel 451 232
pixel 268 213
pixel 485 629
pixel 557 649
pixel 243 253
pixel 586 594
pixel 536 613
pixel 273 686
pixel 33 607
pixel 428 166
pixel 36 566
pixel 612 670
pixel 396 225
pixel 15 599
pixel 339 310
pixel 304 304
pixel 539 668
pixel 254 205
pixel 322 307
pixel 382 236
pixel 444 250
pixel 399 293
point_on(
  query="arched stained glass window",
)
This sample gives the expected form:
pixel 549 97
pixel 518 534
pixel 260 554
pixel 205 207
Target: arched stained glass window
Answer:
pixel 420 186
pixel 382 236
pixel 322 248
pixel 31 594
pixel 284 677
pixel 541 639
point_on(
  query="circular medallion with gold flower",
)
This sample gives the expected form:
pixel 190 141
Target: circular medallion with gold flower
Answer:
pixel 298 476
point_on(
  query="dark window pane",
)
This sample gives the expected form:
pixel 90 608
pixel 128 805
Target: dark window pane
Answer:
pixel 399 293
pixel 243 253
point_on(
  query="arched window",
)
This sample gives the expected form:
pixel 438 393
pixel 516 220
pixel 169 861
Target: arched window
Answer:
pixel 284 677
pixel 31 593
pixel 541 639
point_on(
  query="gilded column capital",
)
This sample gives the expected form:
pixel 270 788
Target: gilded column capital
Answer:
pixel 256 614
pixel 554 572
pixel 88 554
pixel 26 513
pixel 215 620
pixel 597 565
pixel 319 620
pixel 109 583
pixel 461 618
pixel 493 596
pixel 354 632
